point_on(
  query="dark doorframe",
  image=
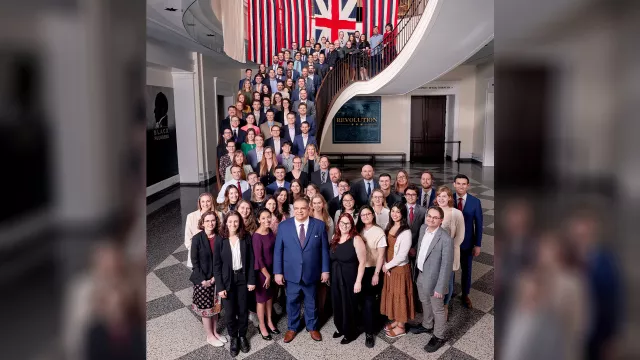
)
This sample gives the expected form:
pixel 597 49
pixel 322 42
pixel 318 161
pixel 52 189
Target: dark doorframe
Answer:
pixel 428 122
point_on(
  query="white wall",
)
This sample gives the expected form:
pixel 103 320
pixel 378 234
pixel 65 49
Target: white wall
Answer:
pixel 395 129
pixel 484 75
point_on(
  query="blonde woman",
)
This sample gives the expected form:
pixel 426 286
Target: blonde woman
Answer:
pixel 402 182
pixel 247 91
pixel 452 223
pixel 311 160
pixel 379 205
pixel 205 203
pixel 267 166
pixel 240 160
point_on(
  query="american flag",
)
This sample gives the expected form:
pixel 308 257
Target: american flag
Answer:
pixel 379 13
pixel 261 31
pixel 333 16
pixel 296 22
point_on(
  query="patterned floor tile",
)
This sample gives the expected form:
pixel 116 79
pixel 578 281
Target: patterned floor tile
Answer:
pixel 181 256
pixel 486 204
pixel 392 353
pixel 477 271
pixel 488 230
pixel 208 352
pixel 487 243
pixel 484 257
pixel 454 354
pixel 489 226
pixel 273 351
pixel 478 341
pixel 485 283
pixel 460 321
pixel 480 300
pixel 173 335
pixel 163 306
pixel 413 345
pixel 185 296
pixel 175 277
pixel 489 212
pixel 170 260
pixel 180 249
pixel 156 288
pixel 488 219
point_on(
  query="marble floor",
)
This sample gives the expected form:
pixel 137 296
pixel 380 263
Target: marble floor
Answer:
pixel 175 332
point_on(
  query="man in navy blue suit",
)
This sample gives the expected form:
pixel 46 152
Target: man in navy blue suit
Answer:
pixel 362 189
pixel 303 241
pixel 470 247
pixel 279 174
pixel 301 141
pixel 303 116
pixel 427 193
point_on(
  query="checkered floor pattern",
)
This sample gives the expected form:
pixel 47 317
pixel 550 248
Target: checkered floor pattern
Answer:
pixel 175 332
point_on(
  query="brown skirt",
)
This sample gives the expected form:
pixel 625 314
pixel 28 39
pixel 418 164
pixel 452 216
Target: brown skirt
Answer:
pixel 397 295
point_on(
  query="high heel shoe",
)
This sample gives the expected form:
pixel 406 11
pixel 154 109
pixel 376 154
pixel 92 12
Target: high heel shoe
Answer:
pixel 268 337
pixel 273 331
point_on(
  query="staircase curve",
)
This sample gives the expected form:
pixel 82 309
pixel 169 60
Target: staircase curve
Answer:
pixel 432 38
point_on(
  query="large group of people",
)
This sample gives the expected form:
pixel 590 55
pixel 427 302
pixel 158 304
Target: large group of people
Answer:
pixel 297 233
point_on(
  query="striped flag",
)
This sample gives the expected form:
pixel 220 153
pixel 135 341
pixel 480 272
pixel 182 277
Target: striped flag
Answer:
pixel 378 13
pixel 296 22
pixel 261 31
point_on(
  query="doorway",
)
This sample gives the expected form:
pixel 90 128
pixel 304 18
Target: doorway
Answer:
pixel 428 122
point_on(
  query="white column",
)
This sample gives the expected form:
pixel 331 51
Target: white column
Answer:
pixel 190 160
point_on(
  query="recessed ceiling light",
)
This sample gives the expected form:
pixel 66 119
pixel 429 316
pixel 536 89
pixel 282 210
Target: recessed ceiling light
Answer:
pixel 171 9
pixel 211 35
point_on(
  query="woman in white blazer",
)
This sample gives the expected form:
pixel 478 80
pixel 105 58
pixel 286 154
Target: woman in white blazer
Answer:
pixel 453 223
pixel 205 203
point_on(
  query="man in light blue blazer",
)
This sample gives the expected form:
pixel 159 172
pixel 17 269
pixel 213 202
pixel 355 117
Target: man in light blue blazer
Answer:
pixel 470 247
pixel 300 259
pixel 301 141
pixel 279 174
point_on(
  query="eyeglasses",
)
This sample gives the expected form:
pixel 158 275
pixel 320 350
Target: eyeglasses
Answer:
pixel 366 214
pixel 410 194
pixel 347 200
pixel 345 223
pixel 433 217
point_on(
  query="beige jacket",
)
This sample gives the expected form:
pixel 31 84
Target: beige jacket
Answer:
pixel 453 224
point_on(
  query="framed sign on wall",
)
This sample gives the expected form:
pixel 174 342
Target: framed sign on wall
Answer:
pixel 358 121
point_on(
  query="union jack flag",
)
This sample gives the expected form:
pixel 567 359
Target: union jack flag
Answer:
pixel 333 16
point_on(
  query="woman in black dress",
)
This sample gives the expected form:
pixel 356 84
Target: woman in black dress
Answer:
pixel 348 256
pixel 364 47
pixel 297 173
pixel 206 301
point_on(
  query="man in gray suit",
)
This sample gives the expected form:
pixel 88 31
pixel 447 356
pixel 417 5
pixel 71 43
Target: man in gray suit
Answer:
pixel 433 265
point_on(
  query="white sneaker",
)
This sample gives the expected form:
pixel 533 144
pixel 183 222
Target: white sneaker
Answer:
pixel 215 342
pixel 222 339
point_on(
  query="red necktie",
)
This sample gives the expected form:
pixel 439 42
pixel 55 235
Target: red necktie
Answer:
pixel 411 214
pixel 302 235
pixel 460 203
pixel 239 188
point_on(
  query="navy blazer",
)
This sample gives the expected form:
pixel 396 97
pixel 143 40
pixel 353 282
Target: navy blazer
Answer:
pixel 472 213
pixel 312 123
pixel 271 188
pixel 223 262
pixel 313 255
pixel 298 144
pixel 359 191
pixel 201 258
pixel 432 198
pixel 242 136
pixel 252 159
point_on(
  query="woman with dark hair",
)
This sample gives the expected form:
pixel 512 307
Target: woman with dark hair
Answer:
pixel 397 292
pixel 296 192
pixel 281 116
pixel 250 140
pixel 277 101
pixel 266 91
pixel 231 197
pixel 364 47
pixel 262 70
pixel 233 268
pixel 282 201
pixel 389 43
pixel 263 243
pixel 192 227
pixel 312 190
pixel 351 55
pixel 347 206
pixel 245 210
pixel 206 302
pixel 286 157
pixel 348 256
pixel 376 243
pixel 239 159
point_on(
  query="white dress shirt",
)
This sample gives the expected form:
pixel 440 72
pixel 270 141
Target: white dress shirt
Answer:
pixel 236 257
pixel 335 189
pixel 244 186
pixel 259 154
pixel 424 247
pixel 305 138
pixel 276 145
pixel 292 132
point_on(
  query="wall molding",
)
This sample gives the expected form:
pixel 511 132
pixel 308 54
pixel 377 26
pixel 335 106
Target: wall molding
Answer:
pixel 159 186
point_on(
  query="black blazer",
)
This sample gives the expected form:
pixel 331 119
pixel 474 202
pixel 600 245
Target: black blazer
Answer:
pixel 359 191
pixel 326 190
pixel 304 179
pixel 333 206
pixel 223 262
pixel 316 176
pixel 201 258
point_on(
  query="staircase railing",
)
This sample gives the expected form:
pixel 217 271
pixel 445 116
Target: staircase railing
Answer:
pixel 347 69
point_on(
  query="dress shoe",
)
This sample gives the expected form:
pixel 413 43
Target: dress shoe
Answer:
pixel 289 335
pixel 466 302
pixel 234 347
pixel 315 335
pixel 345 340
pixel 419 329
pixel 244 344
pixel 215 342
pixel 274 330
pixel 337 335
pixel 369 341
pixel 434 344
pixel 222 338
pixel 268 337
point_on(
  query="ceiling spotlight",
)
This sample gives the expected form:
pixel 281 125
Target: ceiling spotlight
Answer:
pixel 211 35
pixel 171 9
